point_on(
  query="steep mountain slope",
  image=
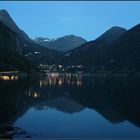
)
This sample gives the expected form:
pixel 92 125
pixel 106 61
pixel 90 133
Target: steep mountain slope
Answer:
pixel 89 52
pixel 123 54
pixel 10 52
pixel 112 34
pixel 120 56
pixel 85 54
pixel 37 53
pixel 8 21
pixel 64 43
pixel 41 40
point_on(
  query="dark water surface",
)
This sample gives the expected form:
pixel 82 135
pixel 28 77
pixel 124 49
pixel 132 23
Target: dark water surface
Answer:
pixel 70 106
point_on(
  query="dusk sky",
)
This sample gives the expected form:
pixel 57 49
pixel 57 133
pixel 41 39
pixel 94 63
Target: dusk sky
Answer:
pixel 85 19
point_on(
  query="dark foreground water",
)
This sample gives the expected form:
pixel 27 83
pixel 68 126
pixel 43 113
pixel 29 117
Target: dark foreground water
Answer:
pixel 70 106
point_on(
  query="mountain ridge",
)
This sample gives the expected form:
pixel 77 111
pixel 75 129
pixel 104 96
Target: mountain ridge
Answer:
pixel 112 34
pixel 64 43
pixel 10 52
pixel 89 51
pixel 6 19
pixel 44 55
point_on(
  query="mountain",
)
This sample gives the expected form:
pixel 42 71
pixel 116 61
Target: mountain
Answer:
pixel 62 104
pixel 41 40
pixel 10 52
pixel 64 43
pixel 89 52
pixel 115 51
pixel 122 55
pixel 112 34
pixel 8 21
pixel 34 52
pixel 39 54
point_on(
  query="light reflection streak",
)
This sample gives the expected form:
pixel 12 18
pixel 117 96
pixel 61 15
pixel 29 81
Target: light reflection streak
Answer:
pixel 61 79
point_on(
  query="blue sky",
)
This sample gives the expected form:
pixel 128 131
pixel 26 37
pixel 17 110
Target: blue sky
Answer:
pixel 85 19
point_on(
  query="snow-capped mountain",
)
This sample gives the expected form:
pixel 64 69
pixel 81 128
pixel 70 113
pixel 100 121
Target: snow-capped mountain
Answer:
pixel 64 43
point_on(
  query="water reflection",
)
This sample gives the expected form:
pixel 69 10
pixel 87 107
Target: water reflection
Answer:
pixel 56 79
pixel 116 99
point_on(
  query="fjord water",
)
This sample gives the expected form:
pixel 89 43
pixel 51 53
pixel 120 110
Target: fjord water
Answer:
pixel 70 106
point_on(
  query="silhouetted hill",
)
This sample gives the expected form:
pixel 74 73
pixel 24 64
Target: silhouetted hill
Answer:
pixel 37 53
pixel 123 54
pixel 118 56
pixel 88 52
pixel 10 52
pixel 112 34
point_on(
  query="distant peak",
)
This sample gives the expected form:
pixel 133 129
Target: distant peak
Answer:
pixel 71 35
pixel 4 15
pixel 4 12
pixel 112 34
pixel 117 28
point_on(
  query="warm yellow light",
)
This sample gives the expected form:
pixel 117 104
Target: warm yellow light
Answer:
pixel 15 78
pixel 68 81
pixel 35 95
pixel 79 82
pixel 5 78
pixel 60 82
pixel 12 78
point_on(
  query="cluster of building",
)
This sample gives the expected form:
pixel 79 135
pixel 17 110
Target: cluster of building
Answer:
pixel 60 68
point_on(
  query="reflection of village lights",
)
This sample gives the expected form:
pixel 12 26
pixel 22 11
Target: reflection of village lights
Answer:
pixel 69 74
pixel 43 83
pixel 29 94
pixel 68 81
pixel 40 84
pixel 49 81
pixel 59 79
pixel 60 82
pixel 79 82
pixel 35 94
pixel 53 81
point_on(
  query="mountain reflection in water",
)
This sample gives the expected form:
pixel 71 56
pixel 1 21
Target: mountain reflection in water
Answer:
pixel 116 99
